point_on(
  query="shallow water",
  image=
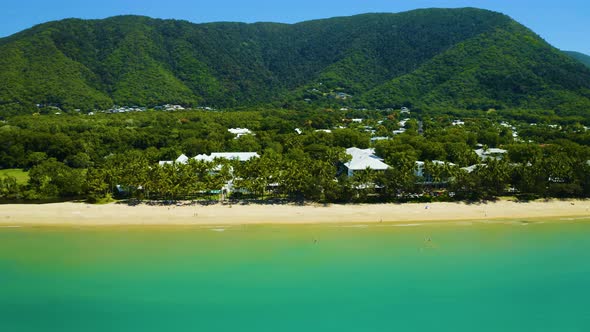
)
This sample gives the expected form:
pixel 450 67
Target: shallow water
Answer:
pixel 518 276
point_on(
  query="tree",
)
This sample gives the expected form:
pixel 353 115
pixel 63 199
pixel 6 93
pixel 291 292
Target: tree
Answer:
pixel 9 188
pixel 96 184
pixel 52 179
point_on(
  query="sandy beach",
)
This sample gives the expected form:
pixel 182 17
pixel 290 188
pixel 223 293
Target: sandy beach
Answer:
pixel 81 214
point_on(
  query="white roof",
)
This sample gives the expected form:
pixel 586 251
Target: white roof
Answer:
pixel 363 159
pixel 436 162
pixel 166 162
pixel 241 156
pixel 182 159
pixel 489 152
pixel 470 169
pixel 240 131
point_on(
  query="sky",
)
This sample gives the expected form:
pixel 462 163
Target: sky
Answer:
pixel 563 23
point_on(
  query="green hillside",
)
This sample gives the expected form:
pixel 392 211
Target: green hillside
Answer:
pixel 583 58
pixel 504 68
pixel 465 58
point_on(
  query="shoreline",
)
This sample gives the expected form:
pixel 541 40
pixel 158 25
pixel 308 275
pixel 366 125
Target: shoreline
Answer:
pixel 81 214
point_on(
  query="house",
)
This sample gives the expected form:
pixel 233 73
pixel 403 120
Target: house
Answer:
pixel 239 132
pixel 169 107
pixel 240 156
pixel 405 110
pixel 472 168
pixel 298 131
pixel 363 159
pixel 458 123
pixel 491 153
pixel 379 138
pixel 182 159
pixel 403 122
pixel 399 131
pixel 341 95
pixel 419 170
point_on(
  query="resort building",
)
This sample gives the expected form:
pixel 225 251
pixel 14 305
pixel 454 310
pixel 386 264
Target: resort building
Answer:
pixel 362 160
pixel 492 153
pixel 472 168
pixel 239 132
pixel 426 178
pixel 240 156
pixel 379 138
pixel 399 131
pixel 182 159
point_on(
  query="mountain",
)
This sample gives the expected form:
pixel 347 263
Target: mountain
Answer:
pixel 583 58
pixel 462 58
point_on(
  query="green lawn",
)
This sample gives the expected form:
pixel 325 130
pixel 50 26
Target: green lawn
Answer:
pixel 21 176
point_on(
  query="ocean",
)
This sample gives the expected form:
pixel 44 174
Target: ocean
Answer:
pixel 514 276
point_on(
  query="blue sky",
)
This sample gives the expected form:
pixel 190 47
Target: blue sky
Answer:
pixel 562 23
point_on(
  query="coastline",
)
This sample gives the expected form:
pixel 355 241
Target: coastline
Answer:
pixel 81 214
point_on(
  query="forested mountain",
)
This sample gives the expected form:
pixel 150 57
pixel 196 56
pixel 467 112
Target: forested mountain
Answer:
pixel 461 58
pixel 583 58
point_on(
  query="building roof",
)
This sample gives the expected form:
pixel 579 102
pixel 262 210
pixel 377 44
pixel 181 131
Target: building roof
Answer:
pixel 472 168
pixel 241 156
pixel 490 153
pixel 436 162
pixel 183 159
pixel 363 159
pixel 240 131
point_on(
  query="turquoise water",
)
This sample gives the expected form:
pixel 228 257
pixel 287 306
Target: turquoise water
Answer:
pixel 514 277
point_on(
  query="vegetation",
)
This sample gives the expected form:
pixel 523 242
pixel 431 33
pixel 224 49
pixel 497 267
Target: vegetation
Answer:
pixel 583 58
pixel 75 156
pixel 457 58
pixel 19 175
pixel 298 88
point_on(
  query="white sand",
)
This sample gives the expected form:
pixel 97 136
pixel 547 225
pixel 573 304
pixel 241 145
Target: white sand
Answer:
pixel 80 214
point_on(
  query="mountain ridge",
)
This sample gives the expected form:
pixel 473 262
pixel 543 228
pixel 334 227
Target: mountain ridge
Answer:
pixel 372 59
pixel 583 58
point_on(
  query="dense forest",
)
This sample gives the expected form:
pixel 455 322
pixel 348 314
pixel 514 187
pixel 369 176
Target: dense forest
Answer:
pixel 458 58
pixel 97 157
pixel 583 58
